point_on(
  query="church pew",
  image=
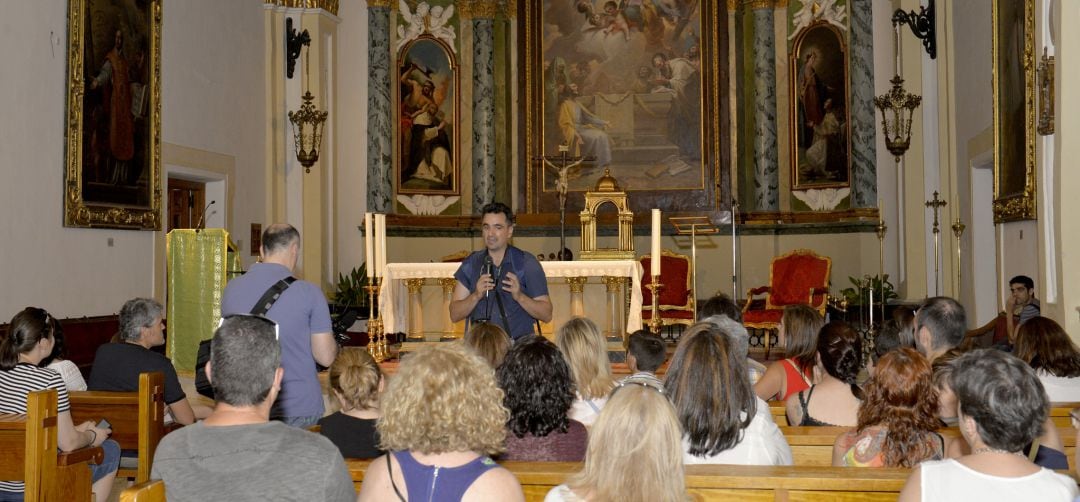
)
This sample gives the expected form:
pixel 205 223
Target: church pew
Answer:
pixel 1059 413
pixel 726 482
pixel 150 491
pixel 137 419
pixel 29 446
pixel 779 412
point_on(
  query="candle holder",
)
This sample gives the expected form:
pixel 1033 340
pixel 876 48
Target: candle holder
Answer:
pixel 655 323
pixel 374 323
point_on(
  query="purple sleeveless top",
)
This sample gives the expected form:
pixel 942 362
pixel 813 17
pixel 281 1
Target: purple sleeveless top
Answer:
pixel 442 484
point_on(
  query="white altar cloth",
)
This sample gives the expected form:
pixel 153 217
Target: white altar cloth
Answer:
pixel 395 295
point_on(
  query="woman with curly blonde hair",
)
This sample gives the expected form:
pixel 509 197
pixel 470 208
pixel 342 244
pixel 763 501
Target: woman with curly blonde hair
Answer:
pixel 356 382
pixel 585 350
pixel 442 418
pixel 634 454
pixel 897 417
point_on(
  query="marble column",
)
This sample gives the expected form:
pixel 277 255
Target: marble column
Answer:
pixel 380 141
pixel 482 13
pixel 863 113
pixel 766 165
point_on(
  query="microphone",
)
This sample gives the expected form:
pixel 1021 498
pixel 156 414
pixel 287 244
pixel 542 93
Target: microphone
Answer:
pixel 487 270
pixel 202 217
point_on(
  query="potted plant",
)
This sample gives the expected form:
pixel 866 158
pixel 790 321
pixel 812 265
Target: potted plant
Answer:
pixel 858 295
pixel 350 295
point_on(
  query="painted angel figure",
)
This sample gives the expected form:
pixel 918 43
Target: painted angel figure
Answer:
pixel 416 22
pixel 438 24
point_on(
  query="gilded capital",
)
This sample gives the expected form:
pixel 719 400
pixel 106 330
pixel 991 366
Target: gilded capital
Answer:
pixel 414 285
pixel 781 4
pixel 761 4
pixel 478 9
pixel 509 7
pixel 577 284
pixel 330 6
pixel 375 4
pixel 733 4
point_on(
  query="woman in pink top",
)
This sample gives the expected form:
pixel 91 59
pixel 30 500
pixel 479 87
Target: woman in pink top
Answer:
pixel 799 326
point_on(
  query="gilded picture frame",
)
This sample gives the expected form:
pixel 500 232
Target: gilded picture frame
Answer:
pixel 1046 94
pixel 113 137
pixel 428 112
pixel 1014 110
pixel 820 115
pixel 642 79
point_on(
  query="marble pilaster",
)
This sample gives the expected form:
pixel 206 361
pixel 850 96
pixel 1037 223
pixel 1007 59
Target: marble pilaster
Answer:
pixel 766 165
pixel 380 141
pixel 863 113
pixel 483 109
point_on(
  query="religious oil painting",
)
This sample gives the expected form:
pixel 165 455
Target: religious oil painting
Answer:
pixel 625 87
pixel 820 136
pixel 1014 110
pixel 112 176
pixel 428 118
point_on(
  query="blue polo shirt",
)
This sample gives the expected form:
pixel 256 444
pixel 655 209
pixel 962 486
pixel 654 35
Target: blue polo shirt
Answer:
pixel 533 284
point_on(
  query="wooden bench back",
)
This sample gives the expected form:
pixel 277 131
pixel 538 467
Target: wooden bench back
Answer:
pixel 726 482
pixel 137 418
pixel 28 443
pixel 149 491
pixel 1059 413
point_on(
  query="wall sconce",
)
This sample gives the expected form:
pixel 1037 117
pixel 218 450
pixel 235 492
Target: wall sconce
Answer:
pixel 307 125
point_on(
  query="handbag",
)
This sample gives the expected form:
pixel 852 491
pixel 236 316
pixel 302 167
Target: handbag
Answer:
pixel 202 384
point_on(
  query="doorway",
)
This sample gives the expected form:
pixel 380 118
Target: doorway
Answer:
pixel 187 200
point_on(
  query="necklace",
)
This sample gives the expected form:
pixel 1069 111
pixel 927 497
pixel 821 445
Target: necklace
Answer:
pixel 987 449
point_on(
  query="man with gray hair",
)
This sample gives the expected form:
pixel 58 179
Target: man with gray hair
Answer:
pixel 237 453
pixel 302 316
pixel 940 324
pixel 117 365
pixel 740 343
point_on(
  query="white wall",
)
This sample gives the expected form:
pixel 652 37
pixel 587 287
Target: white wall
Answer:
pixel 350 198
pixel 212 100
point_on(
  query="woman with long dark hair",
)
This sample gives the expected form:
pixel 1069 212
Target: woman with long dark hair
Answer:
pixel 834 400
pixel 897 417
pixel 1045 346
pixel 799 327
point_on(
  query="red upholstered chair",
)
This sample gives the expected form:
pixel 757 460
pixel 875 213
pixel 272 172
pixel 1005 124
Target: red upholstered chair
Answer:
pixel 799 277
pixel 676 295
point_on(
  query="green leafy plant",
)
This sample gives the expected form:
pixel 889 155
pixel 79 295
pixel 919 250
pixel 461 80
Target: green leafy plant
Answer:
pixel 857 296
pixel 351 292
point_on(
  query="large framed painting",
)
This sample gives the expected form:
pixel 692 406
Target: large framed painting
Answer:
pixel 821 129
pixel 634 87
pixel 1014 110
pixel 428 118
pixel 112 174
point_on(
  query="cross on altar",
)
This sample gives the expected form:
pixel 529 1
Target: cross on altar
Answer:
pixel 562 171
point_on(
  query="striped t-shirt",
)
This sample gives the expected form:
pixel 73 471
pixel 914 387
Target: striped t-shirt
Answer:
pixel 16 384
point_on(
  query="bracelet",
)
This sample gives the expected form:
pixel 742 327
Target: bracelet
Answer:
pixel 94 438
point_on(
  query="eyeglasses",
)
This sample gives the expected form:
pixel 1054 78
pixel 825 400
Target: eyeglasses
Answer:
pixel 262 318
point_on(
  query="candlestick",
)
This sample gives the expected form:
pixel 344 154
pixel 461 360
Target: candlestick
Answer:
pixel 655 323
pixel 654 259
pixel 369 246
pixel 380 241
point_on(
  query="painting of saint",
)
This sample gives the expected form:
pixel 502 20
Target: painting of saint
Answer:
pixel 428 113
pixel 622 84
pixel 821 139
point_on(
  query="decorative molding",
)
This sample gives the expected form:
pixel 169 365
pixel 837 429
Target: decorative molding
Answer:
pixel 479 9
pixel 822 199
pixel 509 8
pixel 760 4
pixel 330 6
pixel 732 5
pixel 427 205
pixel 781 4
pixel 812 12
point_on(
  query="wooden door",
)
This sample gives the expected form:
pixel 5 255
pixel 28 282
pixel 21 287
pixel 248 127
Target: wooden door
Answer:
pixel 186 203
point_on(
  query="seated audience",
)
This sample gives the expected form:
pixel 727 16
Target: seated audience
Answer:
pixel 539 392
pixel 29 339
pixel 941 326
pixel 723 421
pixel 1002 407
pixel 897 418
pixel 800 325
pixel 117 365
pixel 890 336
pixel 721 304
pixel 356 382
pixel 585 350
pixel 740 343
pixel 58 362
pixel 645 353
pixel 942 372
pixel 634 452
pixel 1043 344
pixel 488 341
pixel 237 453
pixel 834 400
pixel 442 418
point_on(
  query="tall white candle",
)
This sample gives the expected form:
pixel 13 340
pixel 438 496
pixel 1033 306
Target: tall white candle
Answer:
pixel 381 220
pixel 654 259
pixel 369 240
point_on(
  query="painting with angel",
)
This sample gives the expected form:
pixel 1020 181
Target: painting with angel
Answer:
pixel 428 117
pixel 622 83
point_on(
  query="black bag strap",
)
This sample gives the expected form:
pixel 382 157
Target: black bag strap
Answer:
pixel 390 472
pixel 271 295
pixel 502 314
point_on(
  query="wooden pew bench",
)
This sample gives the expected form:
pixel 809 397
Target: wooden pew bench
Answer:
pixel 137 419
pixel 726 482
pixel 29 453
pixel 1059 413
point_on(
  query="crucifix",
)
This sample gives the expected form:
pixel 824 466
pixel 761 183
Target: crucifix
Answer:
pixel 936 204
pixel 562 171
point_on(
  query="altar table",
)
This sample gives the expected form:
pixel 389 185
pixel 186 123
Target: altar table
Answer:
pixel 401 305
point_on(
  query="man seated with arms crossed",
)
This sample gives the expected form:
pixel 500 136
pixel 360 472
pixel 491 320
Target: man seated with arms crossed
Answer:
pixel 117 365
pixel 237 453
pixel 521 297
